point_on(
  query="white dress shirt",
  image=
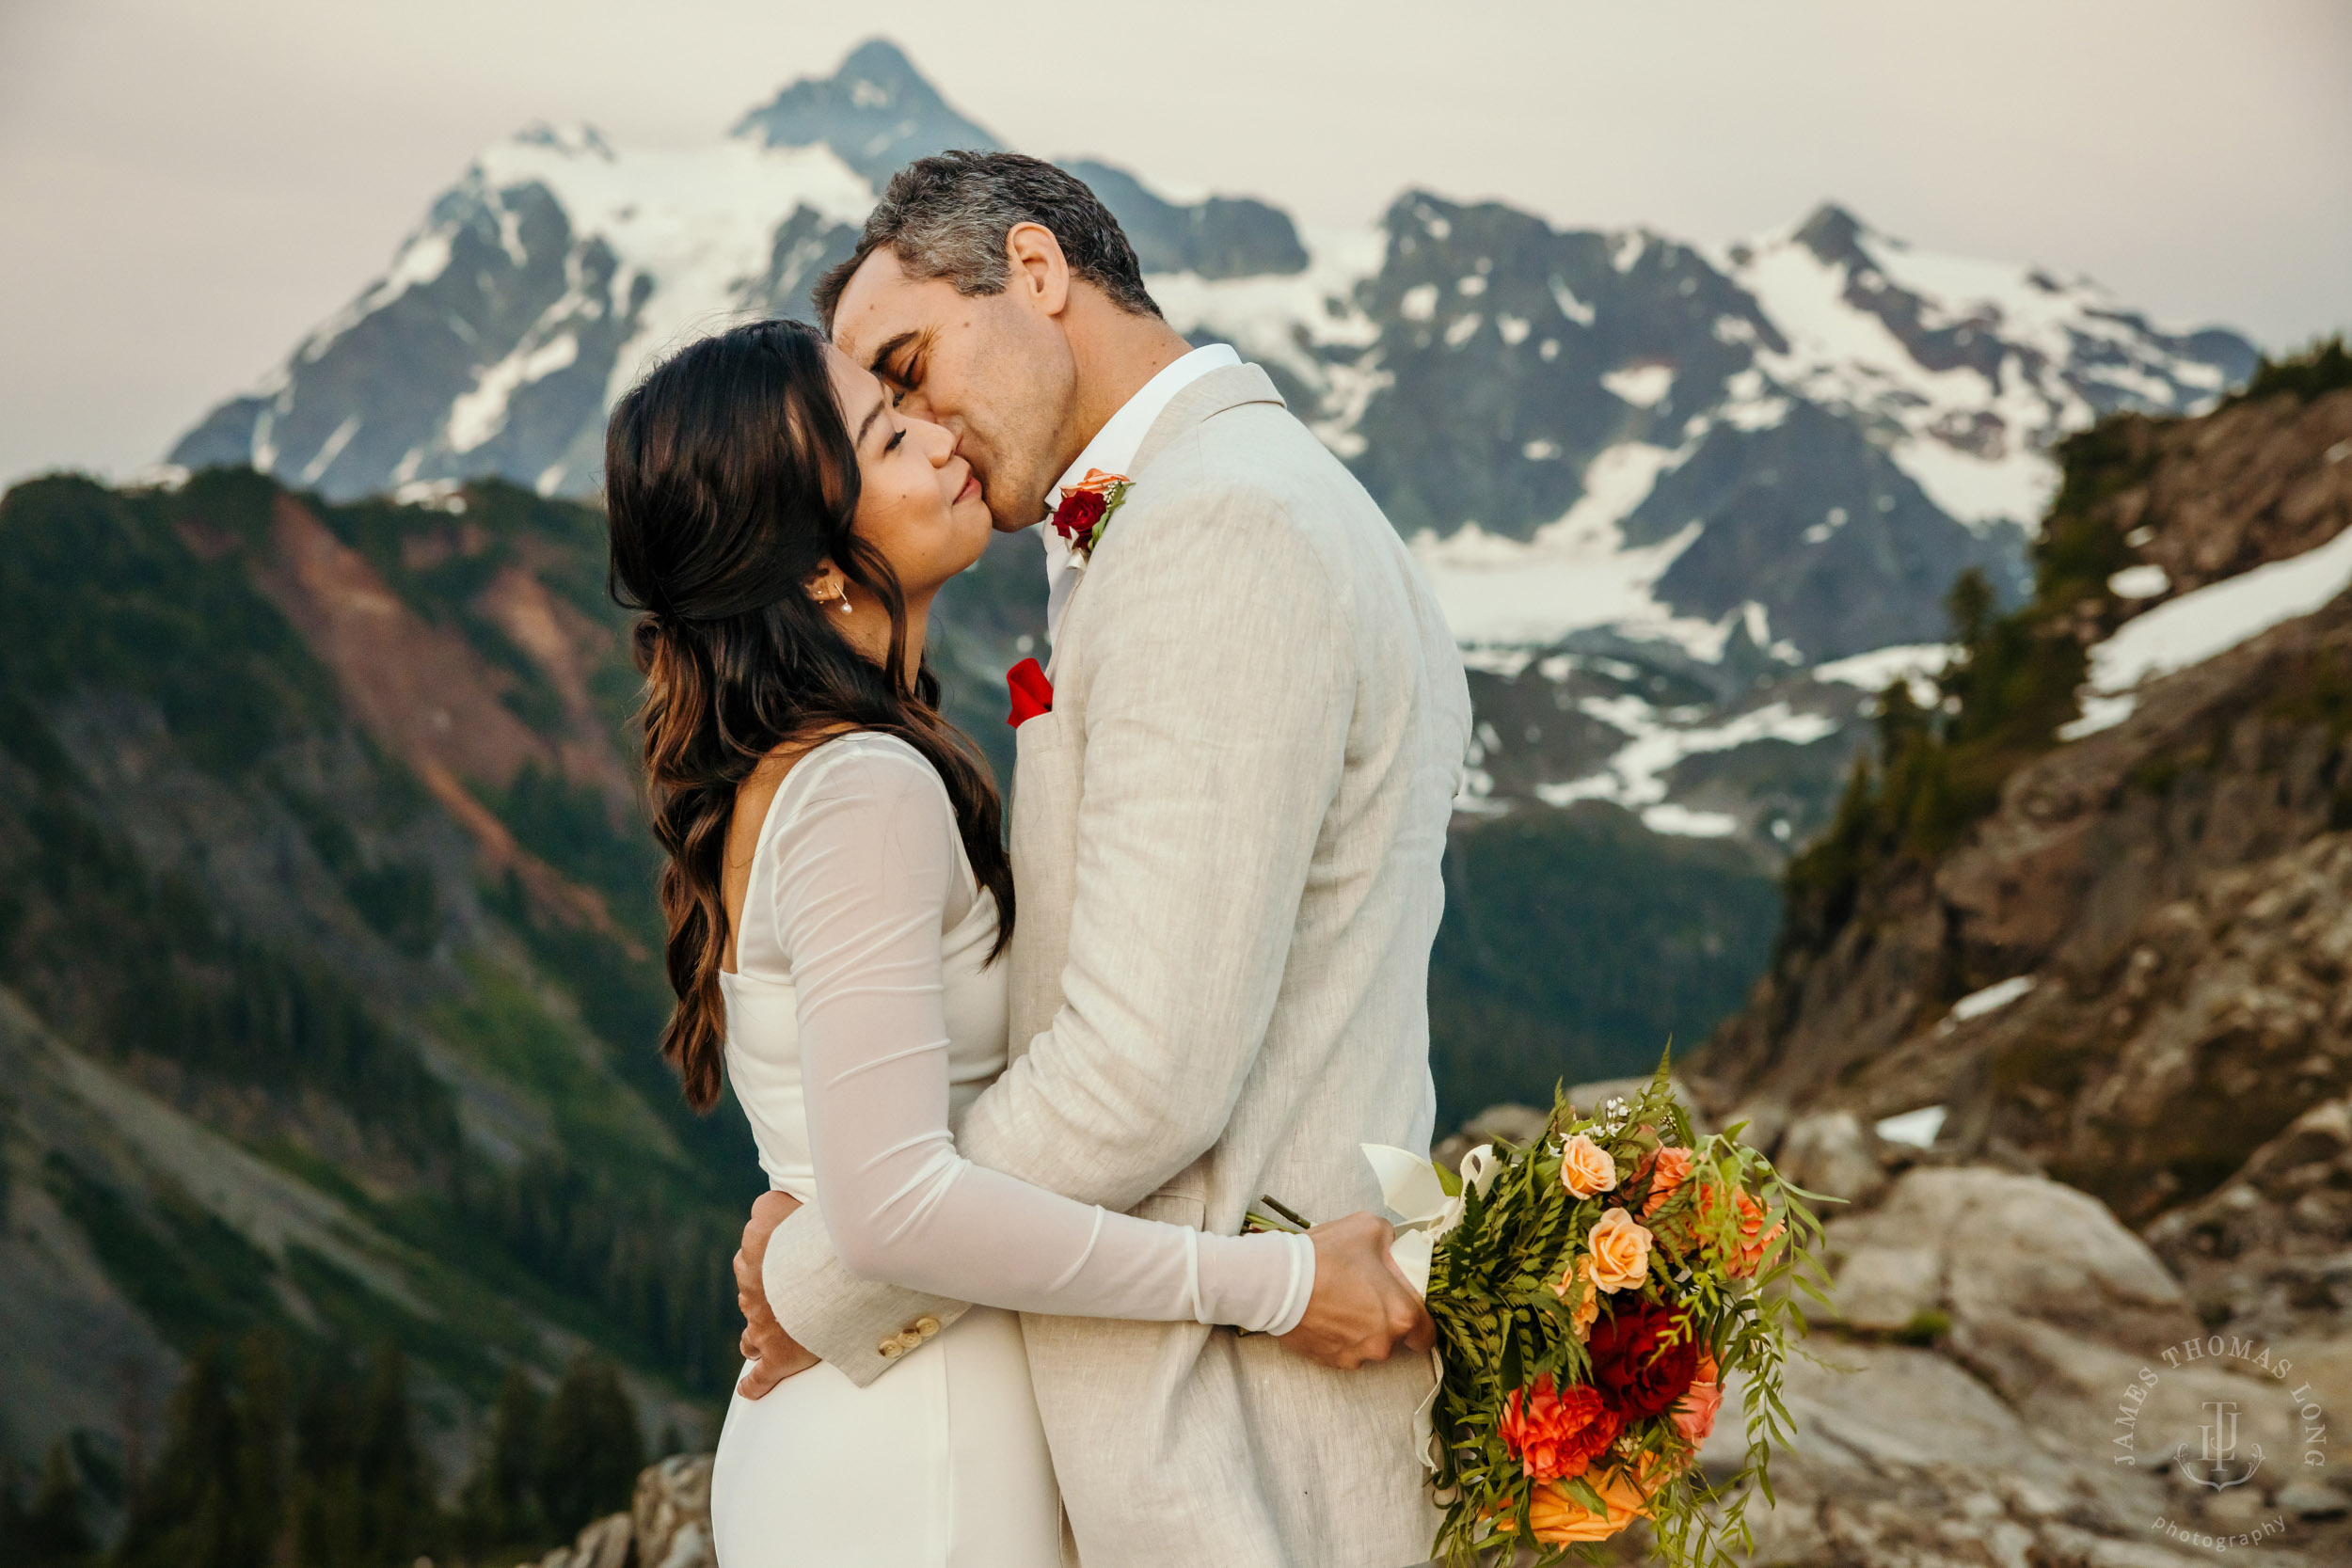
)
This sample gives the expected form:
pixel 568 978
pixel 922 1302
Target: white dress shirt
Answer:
pixel 1112 450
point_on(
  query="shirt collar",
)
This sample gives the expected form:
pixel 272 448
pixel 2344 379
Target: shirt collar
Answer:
pixel 1113 451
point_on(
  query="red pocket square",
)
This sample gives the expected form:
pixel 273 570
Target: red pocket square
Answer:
pixel 1032 693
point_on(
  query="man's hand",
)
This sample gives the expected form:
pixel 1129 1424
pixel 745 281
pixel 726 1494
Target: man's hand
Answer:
pixel 1362 1308
pixel 771 1351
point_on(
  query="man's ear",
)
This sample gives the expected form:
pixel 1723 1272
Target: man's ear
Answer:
pixel 1036 269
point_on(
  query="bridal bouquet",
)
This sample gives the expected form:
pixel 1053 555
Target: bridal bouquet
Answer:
pixel 1594 1292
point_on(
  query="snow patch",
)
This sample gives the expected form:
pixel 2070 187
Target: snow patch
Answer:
pixel 1683 822
pixel 2212 620
pixel 1917 1128
pixel 1571 307
pixel 440 495
pixel 1992 999
pixel 478 415
pixel 1916 664
pixel 1634 777
pixel 1643 386
pixel 1574 572
pixel 330 450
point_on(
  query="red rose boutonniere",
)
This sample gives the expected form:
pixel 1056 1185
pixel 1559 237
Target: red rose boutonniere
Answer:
pixel 1084 508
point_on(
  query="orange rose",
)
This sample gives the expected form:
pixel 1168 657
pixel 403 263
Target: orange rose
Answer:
pixel 1620 1251
pixel 1558 1519
pixel 1667 1170
pixel 1585 1167
pixel 1586 1306
pixel 1695 1416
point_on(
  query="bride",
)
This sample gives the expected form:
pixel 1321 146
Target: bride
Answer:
pixel 837 894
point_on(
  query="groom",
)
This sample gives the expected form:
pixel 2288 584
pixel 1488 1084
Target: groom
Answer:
pixel 1227 836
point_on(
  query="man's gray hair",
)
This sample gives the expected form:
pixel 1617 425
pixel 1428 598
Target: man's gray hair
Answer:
pixel 947 216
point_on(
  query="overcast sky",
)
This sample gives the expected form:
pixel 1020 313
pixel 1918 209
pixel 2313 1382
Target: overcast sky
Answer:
pixel 185 188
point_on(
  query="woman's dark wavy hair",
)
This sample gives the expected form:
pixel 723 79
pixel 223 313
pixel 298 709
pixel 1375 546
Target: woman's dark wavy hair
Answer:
pixel 729 476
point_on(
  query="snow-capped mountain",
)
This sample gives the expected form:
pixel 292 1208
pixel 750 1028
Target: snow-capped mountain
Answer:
pixel 1677 502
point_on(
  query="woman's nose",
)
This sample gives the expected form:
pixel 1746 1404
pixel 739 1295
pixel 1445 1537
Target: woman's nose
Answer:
pixel 941 443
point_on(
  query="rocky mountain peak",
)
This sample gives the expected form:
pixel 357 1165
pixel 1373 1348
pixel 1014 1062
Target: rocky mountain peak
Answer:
pixel 877 113
pixel 1835 235
pixel 577 137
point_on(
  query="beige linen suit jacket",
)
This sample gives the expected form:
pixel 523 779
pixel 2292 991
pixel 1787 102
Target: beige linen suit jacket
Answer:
pixel 1226 839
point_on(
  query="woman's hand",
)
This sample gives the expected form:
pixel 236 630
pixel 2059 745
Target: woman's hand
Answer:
pixel 773 1354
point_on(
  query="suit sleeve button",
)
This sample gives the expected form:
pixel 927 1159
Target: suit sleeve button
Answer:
pixel 926 1326
pixel 890 1349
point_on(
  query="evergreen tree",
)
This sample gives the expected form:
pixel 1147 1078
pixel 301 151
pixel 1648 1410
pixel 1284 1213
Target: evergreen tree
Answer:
pixel 393 1497
pixel 12 1513
pixel 52 1534
pixel 501 1503
pixel 361 1498
pixel 211 1500
pixel 593 1448
pixel 327 1476
pixel 262 1457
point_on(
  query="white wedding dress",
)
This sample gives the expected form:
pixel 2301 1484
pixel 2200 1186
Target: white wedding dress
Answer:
pixel 862 1020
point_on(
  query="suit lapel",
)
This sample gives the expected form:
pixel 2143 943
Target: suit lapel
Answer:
pixel 1212 394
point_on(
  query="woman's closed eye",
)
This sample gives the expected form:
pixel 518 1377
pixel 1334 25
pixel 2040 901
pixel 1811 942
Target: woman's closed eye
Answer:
pixel 896 436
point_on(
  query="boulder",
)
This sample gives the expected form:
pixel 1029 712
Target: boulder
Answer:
pixel 2007 1380
pixel 2270 1251
pixel 605 1544
pixel 1833 1153
pixel 671 1514
pixel 668 1523
pixel 1976 1244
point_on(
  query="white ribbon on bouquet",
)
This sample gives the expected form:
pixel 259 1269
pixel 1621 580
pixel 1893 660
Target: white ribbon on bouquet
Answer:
pixel 1412 1189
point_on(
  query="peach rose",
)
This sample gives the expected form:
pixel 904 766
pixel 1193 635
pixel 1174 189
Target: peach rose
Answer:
pixel 1558 1519
pixel 1667 1170
pixel 1585 1167
pixel 1586 1308
pixel 1695 1416
pixel 1620 1251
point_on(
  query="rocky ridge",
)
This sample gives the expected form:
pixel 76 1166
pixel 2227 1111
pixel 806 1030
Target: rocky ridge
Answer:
pixel 2129 971
pixel 2078 1060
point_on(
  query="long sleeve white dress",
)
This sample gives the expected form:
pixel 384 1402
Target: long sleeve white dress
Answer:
pixel 863 1021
